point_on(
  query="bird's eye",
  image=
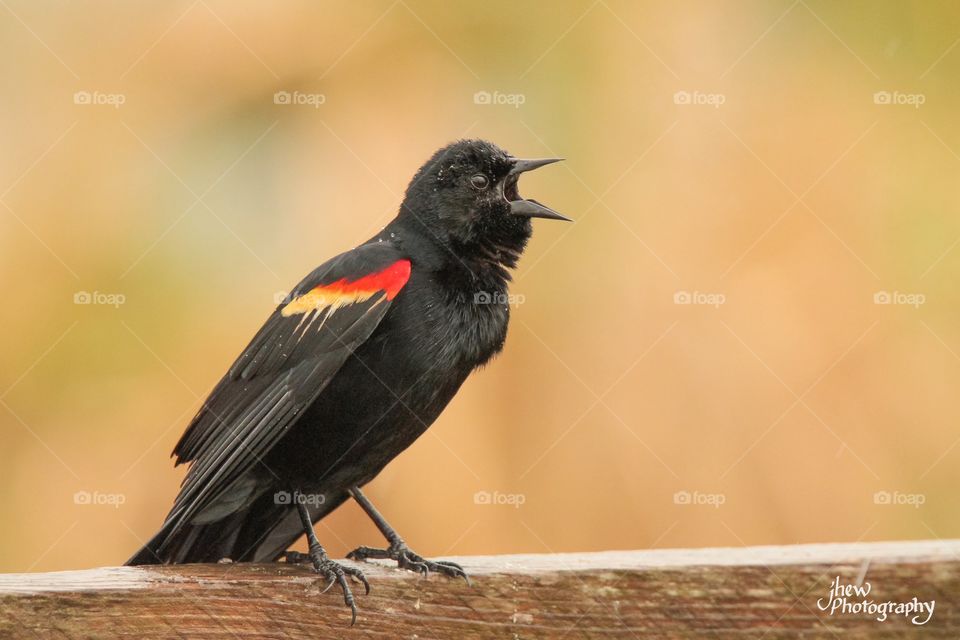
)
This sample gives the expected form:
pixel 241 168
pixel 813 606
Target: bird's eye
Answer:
pixel 479 181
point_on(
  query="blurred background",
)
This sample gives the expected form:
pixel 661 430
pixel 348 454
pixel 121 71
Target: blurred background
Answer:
pixel 749 335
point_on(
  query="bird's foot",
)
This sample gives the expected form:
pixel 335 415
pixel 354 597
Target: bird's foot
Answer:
pixel 296 557
pixel 334 572
pixel 407 559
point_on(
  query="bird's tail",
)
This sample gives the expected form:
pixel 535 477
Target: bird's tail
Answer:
pixel 259 533
pixel 191 543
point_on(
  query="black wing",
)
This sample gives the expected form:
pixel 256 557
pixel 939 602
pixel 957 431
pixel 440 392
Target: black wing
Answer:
pixel 284 368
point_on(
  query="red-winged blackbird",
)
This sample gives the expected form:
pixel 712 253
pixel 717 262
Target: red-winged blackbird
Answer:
pixel 350 369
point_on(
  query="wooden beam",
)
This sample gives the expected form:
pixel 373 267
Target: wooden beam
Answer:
pixel 752 592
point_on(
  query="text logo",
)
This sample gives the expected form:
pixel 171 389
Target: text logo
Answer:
pixel 514 100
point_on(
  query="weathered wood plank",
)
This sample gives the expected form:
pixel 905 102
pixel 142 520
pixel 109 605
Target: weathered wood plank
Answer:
pixel 753 592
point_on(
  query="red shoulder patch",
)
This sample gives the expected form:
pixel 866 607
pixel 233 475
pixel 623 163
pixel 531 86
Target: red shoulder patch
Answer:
pixel 343 292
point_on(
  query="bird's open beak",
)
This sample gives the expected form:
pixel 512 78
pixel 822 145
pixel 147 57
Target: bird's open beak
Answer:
pixel 526 207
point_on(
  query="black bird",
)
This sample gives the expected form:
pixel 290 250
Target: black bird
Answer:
pixel 350 369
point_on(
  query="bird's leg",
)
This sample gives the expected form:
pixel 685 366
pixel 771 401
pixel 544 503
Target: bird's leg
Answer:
pixel 333 571
pixel 398 549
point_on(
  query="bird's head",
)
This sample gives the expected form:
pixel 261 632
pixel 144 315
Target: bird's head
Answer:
pixel 467 197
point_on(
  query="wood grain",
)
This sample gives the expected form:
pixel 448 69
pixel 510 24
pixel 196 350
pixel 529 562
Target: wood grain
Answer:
pixel 752 592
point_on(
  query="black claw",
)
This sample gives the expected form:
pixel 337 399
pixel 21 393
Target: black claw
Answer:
pixel 362 554
pixel 357 575
pixel 348 598
pixel 452 569
pixel 337 574
pixel 407 559
pixel 296 557
pixel 366 584
pixel 329 584
pixel 414 565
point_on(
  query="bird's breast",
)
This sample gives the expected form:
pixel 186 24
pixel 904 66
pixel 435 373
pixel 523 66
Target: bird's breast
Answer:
pixel 460 330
